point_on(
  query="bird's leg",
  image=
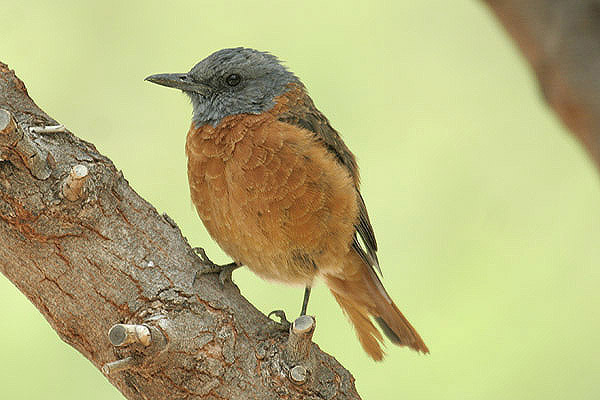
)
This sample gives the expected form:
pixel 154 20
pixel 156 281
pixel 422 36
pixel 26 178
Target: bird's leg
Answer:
pixel 210 267
pixel 281 314
pixel 305 301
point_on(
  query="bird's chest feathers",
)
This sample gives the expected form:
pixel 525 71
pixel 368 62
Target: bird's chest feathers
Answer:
pixel 270 195
pixel 229 168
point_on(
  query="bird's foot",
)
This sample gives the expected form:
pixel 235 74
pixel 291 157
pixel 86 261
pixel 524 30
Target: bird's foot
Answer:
pixel 283 321
pixel 209 267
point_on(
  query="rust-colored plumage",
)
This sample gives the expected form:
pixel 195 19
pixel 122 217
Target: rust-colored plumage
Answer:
pixel 283 200
pixel 278 189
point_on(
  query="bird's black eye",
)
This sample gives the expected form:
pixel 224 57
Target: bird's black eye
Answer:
pixel 233 79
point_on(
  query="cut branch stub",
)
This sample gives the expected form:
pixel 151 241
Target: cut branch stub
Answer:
pixel 7 123
pixel 8 131
pixel 298 374
pixel 119 365
pixel 121 335
pixel 72 188
pixel 124 334
pixel 299 342
pixel 14 142
pixel 298 348
pixel 48 129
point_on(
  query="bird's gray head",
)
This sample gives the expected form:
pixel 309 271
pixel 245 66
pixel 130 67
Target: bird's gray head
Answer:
pixel 229 82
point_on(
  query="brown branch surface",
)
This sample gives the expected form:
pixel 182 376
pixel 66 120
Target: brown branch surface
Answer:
pixel 561 41
pixel 90 253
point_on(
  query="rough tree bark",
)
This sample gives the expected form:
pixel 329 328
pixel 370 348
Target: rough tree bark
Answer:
pixel 561 41
pixel 90 253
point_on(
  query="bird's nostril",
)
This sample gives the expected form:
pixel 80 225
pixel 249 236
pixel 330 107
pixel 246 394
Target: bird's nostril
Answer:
pixel 183 77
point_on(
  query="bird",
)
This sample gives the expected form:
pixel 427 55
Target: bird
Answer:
pixel 279 191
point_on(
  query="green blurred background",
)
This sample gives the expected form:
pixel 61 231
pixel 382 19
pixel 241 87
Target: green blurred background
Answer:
pixel 486 210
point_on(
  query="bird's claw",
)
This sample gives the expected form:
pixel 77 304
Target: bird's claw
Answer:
pixel 282 318
pixel 206 262
pixel 209 267
pixel 225 273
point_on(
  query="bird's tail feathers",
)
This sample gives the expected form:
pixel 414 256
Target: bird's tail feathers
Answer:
pixel 361 295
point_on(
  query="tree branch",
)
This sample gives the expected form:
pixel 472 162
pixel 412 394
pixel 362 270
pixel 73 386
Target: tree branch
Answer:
pixel 561 41
pixel 90 253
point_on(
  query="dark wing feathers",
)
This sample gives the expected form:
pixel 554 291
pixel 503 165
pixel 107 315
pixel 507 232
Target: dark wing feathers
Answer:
pixel 305 115
pixel 365 230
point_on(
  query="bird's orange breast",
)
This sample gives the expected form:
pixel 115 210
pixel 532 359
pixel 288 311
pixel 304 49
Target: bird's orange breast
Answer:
pixel 271 196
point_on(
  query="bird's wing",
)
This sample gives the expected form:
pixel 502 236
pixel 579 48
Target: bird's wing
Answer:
pixel 304 114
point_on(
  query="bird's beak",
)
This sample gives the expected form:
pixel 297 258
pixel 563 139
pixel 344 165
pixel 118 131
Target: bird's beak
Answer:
pixel 180 81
